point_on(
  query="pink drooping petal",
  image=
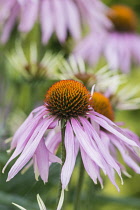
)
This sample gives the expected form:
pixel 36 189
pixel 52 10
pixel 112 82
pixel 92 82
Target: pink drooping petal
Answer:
pixel 68 166
pixel 53 125
pixel 29 13
pixel 124 50
pixel 84 141
pixel 132 135
pixel 42 158
pixel 113 128
pixel 73 18
pixel 100 143
pixel 28 152
pixel 47 21
pixel 22 128
pixel 127 158
pixel 9 25
pixel 110 51
pixel 89 165
pixel 93 169
pixel 6 7
pixel 54 159
pixel 89 49
pixel 111 175
pixel 60 19
pixel 135 47
pixel 53 140
pixel 24 142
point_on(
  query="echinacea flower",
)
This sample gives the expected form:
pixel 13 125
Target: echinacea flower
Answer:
pixel 29 65
pixel 67 101
pixel 117 43
pixel 57 16
pixel 113 144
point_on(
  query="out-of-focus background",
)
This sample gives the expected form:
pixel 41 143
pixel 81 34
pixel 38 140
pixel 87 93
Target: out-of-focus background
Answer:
pixel 18 96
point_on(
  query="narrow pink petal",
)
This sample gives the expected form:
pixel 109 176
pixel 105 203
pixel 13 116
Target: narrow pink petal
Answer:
pixel 96 17
pixel 73 18
pixel 54 159
pixel 6 8
pixel 100 143
pixel 110 51
pixel 135 48
pixel 85 142
pixel 127 158
pixel 24 125
pixel 132 135
pixel 89 165
pixel 124 50
pixel 42 158
pixel 26 133
pixel 46 19
pixel 8 26
pixel 28 151
pixel 60 19
pixel 53 125
pixel 29 13
pixel 68 166
pixel 110 173
pixel 52 141
pixel 92 169
pixel 24 143
pixel 76 144
pixel 25 139
pixel 112 128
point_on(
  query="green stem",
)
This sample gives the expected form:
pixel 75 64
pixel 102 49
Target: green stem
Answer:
pixel 79 186
pixel 63 153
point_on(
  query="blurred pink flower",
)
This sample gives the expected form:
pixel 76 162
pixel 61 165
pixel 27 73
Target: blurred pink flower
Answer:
pixel 57 16
pixel 69 100
pixel 120 46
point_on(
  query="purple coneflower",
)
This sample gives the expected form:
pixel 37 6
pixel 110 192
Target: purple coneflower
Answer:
pixel 68 101
pixel 103 107
pixel 117 43
pixel 57 16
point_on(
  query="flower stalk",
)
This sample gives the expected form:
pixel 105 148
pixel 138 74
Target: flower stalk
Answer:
pixel 79 186
pixel 63 155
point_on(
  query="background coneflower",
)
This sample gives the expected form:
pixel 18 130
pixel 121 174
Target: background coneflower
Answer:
pixel 115 44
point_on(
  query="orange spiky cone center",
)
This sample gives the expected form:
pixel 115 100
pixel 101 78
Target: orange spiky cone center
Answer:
pixel 67 98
